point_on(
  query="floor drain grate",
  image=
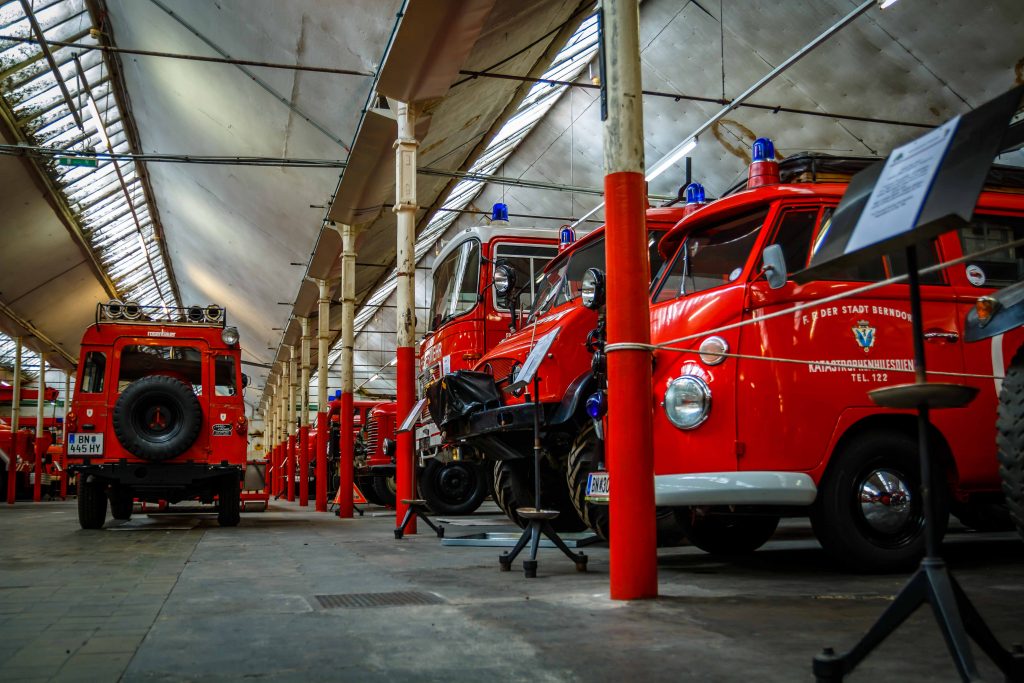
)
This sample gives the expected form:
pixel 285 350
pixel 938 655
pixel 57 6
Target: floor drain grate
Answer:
pixel 396 599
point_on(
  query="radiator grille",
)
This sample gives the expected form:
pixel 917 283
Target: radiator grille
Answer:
pixel 371 435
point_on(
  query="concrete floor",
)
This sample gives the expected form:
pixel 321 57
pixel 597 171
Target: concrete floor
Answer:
pixel 177 598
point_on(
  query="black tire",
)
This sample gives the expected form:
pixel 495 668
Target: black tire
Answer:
pixel 229 505
pixel 454 488
pixel 121 502
pixel 584 459
pixel 889 535
pixel 726 534
pixel 513 489
pixel 92 504
pixel 1010 439
pixel 157 418
pixel 385 489
pixel 365 485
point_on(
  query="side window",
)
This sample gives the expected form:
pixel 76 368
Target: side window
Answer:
pixel 224 382
pixel 858 271
pixel 794 234
pixel 528 261
pixel 927 255
pixel 184 363
pixel 93 371
pixel 1003 267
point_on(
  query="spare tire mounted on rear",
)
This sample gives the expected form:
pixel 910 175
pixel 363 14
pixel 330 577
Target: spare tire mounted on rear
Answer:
pixel 157 418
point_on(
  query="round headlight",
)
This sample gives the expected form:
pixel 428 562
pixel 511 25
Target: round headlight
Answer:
pixel 504 280
pixel 229 335
pixel 131 311
pixel 711 350
pixel 195 314
pixel 592 288
pixel 687 402
pixel 512 374
pixel 114 309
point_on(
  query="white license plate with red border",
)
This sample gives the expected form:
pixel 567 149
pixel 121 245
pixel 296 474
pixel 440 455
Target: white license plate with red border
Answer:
pixel 85 444
pixel 597 488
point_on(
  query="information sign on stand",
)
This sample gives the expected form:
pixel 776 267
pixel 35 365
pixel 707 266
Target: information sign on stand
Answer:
pixel 533 361
pixel 409 423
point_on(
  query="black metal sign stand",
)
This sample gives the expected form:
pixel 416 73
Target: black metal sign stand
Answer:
pixel 539 518
pixel 958 619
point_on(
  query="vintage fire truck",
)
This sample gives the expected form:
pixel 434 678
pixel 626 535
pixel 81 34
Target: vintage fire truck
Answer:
pixel 20 445
pixel 474 410
pixel 469 315
pixel 158 413
pixel 375 454
pixel 360 417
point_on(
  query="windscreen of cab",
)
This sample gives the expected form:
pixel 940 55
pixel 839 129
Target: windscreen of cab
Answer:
pixel 184 363
pixel 456 281
pixel 561 284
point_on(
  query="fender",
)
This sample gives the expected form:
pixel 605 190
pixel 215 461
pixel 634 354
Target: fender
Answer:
pixel 575 396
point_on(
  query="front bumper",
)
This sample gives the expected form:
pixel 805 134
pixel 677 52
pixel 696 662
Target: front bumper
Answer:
pixel 511 418
pixel 734 488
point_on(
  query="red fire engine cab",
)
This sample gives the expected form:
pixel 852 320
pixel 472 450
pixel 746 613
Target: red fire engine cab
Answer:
pixel 470 314
pixel 157 412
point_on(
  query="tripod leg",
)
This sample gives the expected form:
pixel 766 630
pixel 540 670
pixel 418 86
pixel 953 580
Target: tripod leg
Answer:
pixel 506 558
pixel 579 558
pixel 831 667
pixel 530 565
pixel 437 529
pixel 1011 666
pixel 944 604
pixel 400 531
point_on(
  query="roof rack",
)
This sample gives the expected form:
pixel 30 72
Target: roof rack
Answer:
pixel 115 311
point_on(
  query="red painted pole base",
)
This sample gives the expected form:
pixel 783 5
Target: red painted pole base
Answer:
pixel 629 450
pixel 405 458
pixel 41 444
pixel 321 461
pixel 346 456
pixel 303 447
pixel 289 469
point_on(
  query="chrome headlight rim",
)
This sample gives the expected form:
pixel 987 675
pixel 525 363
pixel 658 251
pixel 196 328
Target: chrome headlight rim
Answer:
pixel 229 335
pixel 675 386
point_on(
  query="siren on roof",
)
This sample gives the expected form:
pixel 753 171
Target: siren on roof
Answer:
pixel 566 237
pixel 499 213
pixel 695 198
pixel 764 169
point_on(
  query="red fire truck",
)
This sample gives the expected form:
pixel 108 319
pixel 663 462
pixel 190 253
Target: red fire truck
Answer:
pixel 360 417
pixel 474 410
pixel 157 412
pixel 468 316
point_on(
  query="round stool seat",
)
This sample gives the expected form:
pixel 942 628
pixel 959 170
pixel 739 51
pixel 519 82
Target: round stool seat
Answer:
pixel 534 513
pixel 413 501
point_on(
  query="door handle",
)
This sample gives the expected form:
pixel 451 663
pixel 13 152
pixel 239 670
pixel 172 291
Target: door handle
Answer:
pixel 943 335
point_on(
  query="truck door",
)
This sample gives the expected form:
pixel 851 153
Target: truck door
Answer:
pixel 91 407
pixel 828 357
pixel 990 357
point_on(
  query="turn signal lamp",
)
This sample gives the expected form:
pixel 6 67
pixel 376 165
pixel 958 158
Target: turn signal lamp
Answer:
pixel 764 169
pixel 499 212
pixel 566 237
pixel 985 307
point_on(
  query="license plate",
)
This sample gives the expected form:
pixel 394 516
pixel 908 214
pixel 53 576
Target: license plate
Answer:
pixel 85 444
pixel 597 488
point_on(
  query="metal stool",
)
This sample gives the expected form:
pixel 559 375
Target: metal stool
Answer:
pixel 418 507
pixel 539 523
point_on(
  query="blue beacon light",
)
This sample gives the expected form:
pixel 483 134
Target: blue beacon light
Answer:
pixel 499 212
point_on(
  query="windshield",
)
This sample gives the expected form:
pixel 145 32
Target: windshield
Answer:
pixel 562 284
pixel 711 257
pixel 456 282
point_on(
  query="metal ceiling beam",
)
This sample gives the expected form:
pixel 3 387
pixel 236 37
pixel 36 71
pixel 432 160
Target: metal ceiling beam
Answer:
pixel 38 31
pixel 33 331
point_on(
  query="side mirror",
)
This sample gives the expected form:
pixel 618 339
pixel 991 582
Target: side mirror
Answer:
pixel 592 288
pixel 774 266
pixel 245 380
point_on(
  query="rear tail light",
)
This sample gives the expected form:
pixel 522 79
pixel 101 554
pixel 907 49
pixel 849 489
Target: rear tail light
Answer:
pixel 241 425
pixel 71 421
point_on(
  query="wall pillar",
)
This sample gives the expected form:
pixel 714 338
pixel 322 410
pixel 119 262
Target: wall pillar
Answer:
pixel 304 416
pixel 322 425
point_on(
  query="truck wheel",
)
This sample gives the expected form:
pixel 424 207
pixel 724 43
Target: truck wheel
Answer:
pixel 121 501
pixel 385 488
pixel 92 504
pixel 454 488
pixel 365 485
pixel 868 513
pixel 229 505
pixel 513 489
pixel 726 534
pixel 1010 439
pixel 157 418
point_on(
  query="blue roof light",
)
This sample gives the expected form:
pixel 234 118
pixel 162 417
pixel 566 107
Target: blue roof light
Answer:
pixel 499 212
pixel 694 193
pixel 763 150
pixel 566 235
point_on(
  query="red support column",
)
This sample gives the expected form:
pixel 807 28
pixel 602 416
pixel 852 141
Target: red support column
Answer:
pixel 303 466
pixel 629 449
pixel 321 461
pixel 346 464
pixel 405 457
pixel 278 471
pixel 64 474
pixel 289 467
pixel 39 446
pixel 12 468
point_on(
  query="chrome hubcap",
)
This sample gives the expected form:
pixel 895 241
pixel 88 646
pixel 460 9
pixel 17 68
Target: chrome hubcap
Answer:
pixel 885 501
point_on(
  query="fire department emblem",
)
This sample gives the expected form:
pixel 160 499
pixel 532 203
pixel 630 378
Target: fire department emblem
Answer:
pixel 864 334
pixel 88 412
pixel 223 416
